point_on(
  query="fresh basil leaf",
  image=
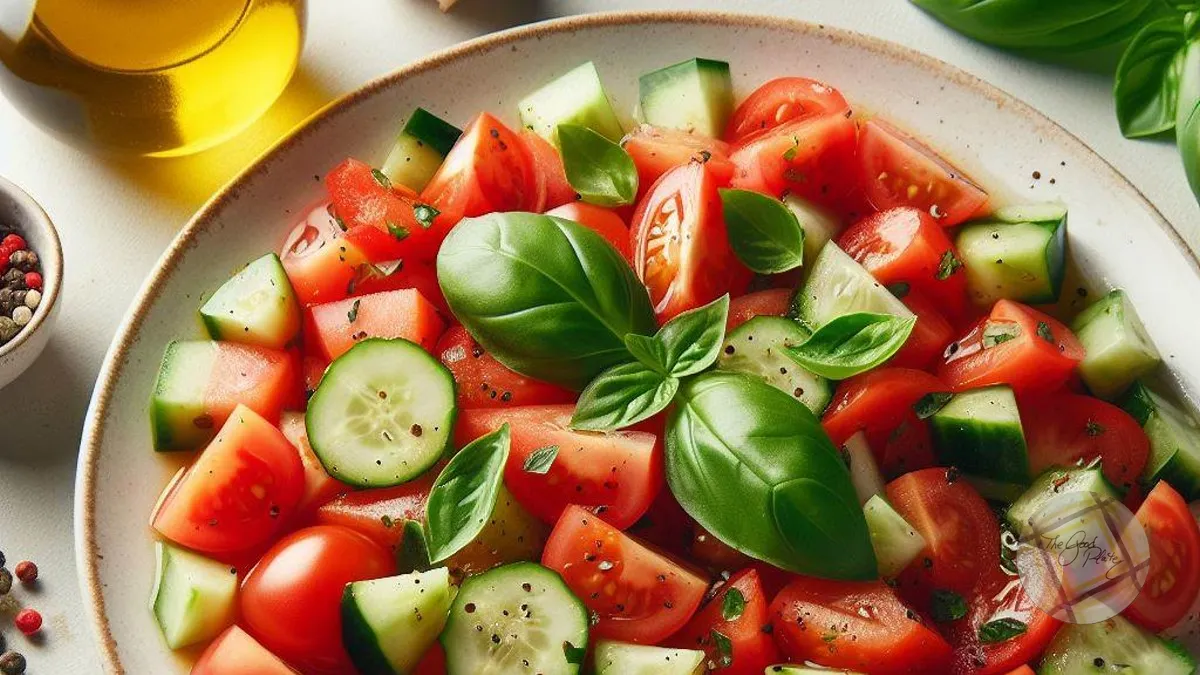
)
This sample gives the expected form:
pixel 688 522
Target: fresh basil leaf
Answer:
pixel 1146 88
pixel 539 461
pixel 598 169
pixel 724 647
pixel 733 604
pixel 946 606
pixel 623 395
pixel 1041 25
pixel 413 552
pixel 546 297
pixel 928 405
pixel 649 351
pixel 1001 630
pixel 464 494
pixel 735 446
pixel 765 234
pixel 687 344
pixel 852 344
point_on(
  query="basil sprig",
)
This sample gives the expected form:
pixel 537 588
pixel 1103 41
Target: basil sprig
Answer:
pixel 464 495
pixel 736 445
pixel 598 169
pixel 852 344
pixel 764 233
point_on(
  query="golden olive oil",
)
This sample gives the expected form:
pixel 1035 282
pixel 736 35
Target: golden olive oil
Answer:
pixel 150 77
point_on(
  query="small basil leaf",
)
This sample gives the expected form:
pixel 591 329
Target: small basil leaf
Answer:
pixel 413 553
pixel 946 606
pixel 692 340
pixel 852 344
pixel 539 461
pixel 928 405
pixel 765 234
pixel 1146 88
pixel 464 495
pixel 598 169
pixel 621 396
pixel 649 351
pixel 733 604
pixel 1001 630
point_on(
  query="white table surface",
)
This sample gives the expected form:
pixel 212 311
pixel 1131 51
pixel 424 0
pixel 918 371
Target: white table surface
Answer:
pixel 116 216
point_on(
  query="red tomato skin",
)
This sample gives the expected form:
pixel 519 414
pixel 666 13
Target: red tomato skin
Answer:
pixel 319 261
pixel 694 265
pixel 782 100
pixel 898 170
pixel 602 221
pixel 434 661
pixel 238 493
pixel 319 486
pixel 876 402
pixel 234 652
pixel 1174 579
pixel 930 335
pixel 489 169
pixel 994 659
pixel 1023 670
pixel 415 274
pixel 1028 363
pixel 753 649
pixel 629 598
pixel 908 447
pixel 484 382
pixel 812 158
pixel 380 513
pixel 656 151
pixel 291 600
pixel 771 302
pixel 888 643
pixel 392 314
pixel 1062 429
pixel 616 475
pixel 906 246
pixel 264 380
pixel 553 188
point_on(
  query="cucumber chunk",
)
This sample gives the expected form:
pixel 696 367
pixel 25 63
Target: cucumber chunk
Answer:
pixel 1174 436
pixel 178 399
pixel 577 97
pixel 819 226
pixel 896 543
pixel 979 431
pixel 382 414
pixel 837 285
pixel 1118 349
pixel 864 472
pixel 695 96
pixel 516 618
pixel 257 306
pixel 1113 646
pixel 623 658
pixel 756 348
pixel 388 624
pixel 1055 482
pixel 193 598
pixel 805 670
pixel 1022 260
pixel 419 150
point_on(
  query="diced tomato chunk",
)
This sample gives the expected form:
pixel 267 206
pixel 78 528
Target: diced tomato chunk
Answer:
pixel 783 100
pixel 655 151
pixel 876 402
pixel 234 652
pixel 393 314
pixel 319 262
pixel 1065 429
pixel 414 274
pixel 771 302
pixel 812 158
pixel 380 513
pixel 1174 580
pixel 604 222
pixel 752 650
pixel 484 382
pixel 929 337
pixel 553 188
pixel 264 380
pixel 319 486
pixel 489 169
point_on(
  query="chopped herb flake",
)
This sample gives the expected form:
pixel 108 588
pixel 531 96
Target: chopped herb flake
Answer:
pixel 539 461
pixel 1044 332
pixel 948 265
pixel 928 405
pixel 352 315
pixel 425 214
pixel 947 606
pixel 899 289
pixel 999 332
pixel 1094 429
pixel 575 655
pixel 724 647
pixel 790 153
pixel 381 178
pixel 398 231
pixel 1001 630
pixel 733 605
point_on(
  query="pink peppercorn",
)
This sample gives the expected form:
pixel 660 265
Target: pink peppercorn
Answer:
pixel 26 571
pixel 33 280
pixel 28 621
pixel 14 242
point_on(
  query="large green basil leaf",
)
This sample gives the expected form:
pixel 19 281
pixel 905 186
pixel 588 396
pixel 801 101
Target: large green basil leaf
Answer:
pixel 547 297
pixel 1045 24
pixel 621 396
pixel 1146 88
pixel 852 344
pixel 753 466
pixel 463 496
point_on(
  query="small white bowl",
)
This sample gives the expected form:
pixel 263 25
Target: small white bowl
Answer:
pixel 18 208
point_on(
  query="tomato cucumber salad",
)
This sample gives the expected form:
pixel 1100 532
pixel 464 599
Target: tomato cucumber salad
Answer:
pixel 757 387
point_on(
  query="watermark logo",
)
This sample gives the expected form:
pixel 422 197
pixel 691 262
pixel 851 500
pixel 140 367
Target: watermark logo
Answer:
pixel 1083 557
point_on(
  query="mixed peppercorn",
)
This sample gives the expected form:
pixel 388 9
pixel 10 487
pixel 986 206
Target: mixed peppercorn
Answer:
pixel 27 620
pixel 20 283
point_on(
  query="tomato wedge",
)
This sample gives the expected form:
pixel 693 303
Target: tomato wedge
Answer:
pixel 637 595
pixel 234 652
pixel 381 513
pixel 484 382
pixel 489 169
pixel 1064 429
pixel 771 302
pixel 738 612
pixel 553 189
pixel 615 475
pixel 604 222
pixel 876 402
pixel 415 274
pixel 1015 345
pixel 381 219
pixel 680 249
pixel 1000 596
pixel 655 151
pixel 319 486
pixel 782 100
pixel 812 158
pixel 898 170
pixel 855 625
pixel 392 314
pixel 319 262
pixel 929 337
pixel 1174 579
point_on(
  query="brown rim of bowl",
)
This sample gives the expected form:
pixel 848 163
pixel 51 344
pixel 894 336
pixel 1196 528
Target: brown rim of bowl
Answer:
pixel 52 285
pixel 85 543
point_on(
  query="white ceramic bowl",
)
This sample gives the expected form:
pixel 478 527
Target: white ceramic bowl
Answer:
pixel 18 208
pixel 1115 235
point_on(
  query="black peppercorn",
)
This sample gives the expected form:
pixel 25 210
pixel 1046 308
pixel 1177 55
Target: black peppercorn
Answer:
pixel 12 663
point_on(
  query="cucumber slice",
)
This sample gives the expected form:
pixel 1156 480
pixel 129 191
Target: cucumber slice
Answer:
pixel 622 658
pixel 864 472
pixel 1055 482
pixel 577 97
pixel 515 619
pixel 193 598
pixel 755 347
pixel 804 670
pixel 257 306
pixel 837 285
pixel 819 225
pixel 420 149
pixel 979 431
pixel 382 414
pixel 177 405
pixel 1022 260
pixel 695 96
pixel 1113 646
pixel 388 624
pixel 1174 440
pixel 896 543
pixel 1040 212
pixel 1118 349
